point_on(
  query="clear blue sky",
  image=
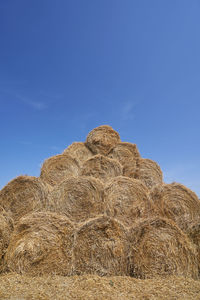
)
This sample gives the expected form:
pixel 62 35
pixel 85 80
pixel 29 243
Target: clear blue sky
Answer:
pixel 67 66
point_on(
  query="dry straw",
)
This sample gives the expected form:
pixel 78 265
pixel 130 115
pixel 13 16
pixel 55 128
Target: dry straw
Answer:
pixel 41 244
pixel 149 172
pixel 101 248
pixel 159 248
pixel 56 168
pixel 23 195
pixel 126 199
pixel 6 228
pixel 125 153
pixel 102 139
pixel 101 167
pixel 79 198
pixel 177 202
pixel 79 151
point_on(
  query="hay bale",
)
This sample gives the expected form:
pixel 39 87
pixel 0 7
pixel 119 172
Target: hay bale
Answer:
pixel 101 248
pixel 6 228
pixel 79 198
pixel 176 202
pixel 23 195
pixel 102 139
pixel 56 168
pixel 159 248
pixel 149 172
pixel 124 153
pixel 193 232
pixel 79 151
pixel 41 244
pixel 101 167
pixel 126 199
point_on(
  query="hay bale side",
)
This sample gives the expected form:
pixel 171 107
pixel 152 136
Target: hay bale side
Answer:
pixel 149 172
pixel 176 202
pixel 23 195
pixel 102 139
pixel 79 198
pixel 56 168
pixel 79 151
pixel 41 244
pixel 6 228
pixel 125 153
pixel 101 248
pixel 101 167
pixel 159 248
pixel 126 199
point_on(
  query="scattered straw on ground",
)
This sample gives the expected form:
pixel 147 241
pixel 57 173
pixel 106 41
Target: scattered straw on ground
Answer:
pixel 79 198
pixel 23 195
pixel 102 139
pixel 15 287
pixel 126 199
pixel 177 202
pixel 41 244
pixel 79 151
pixel 159 248
pixel 101 248
pixel 56 168
pixel 149 172
pixel 101 167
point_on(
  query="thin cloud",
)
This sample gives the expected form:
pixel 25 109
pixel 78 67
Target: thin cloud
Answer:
pixel 127 112
pixel 32 103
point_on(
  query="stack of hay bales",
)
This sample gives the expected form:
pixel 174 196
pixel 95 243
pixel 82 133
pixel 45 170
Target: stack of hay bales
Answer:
pixel 100 208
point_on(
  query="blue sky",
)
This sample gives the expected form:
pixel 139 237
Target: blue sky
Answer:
pixel 69 66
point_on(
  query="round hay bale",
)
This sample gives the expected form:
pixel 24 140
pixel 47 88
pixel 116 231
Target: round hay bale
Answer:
pixel 79 198
pixel 101 167
pixel 149 172
pixel 101 248
pixel 6 228
pixel 159 248
pixel 126 199
pixel 102 139
pixel 41 244
pixel 193 231
pixel 79 151
pixel 176 202
pixel 56 168
pixel 125 153
pixel 23 195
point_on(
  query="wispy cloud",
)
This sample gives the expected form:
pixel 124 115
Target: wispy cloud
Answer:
pixel 38 105
pixel 127 110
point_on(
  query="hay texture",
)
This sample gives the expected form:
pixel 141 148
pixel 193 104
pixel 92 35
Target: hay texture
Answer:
pixel 101 167
pixel 23 195
pixel 56 168
pixel 6 228
pixel 79 198
pixel 125 153
pixel 176 202
pixel 101 248
pixel 41 244
pixel 102 139
pixel 126 199
pixel 79 151
pixel 149 172
pixel 159 248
